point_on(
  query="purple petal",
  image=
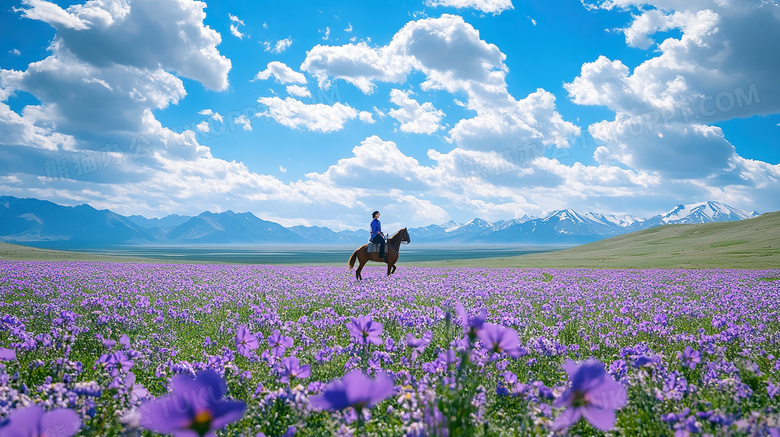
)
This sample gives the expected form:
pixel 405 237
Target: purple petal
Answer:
pixel 165 414
pixel 61 422
pixel 569 417
pixel 600 418
pixel 23 422
pixel 226 412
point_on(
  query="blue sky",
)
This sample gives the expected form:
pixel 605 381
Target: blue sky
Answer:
pixel 318 113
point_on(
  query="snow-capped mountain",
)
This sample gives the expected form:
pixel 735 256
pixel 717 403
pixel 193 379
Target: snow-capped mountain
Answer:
pixel 705 212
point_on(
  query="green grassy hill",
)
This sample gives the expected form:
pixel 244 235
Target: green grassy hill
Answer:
pixel 25 253
pixel 745 244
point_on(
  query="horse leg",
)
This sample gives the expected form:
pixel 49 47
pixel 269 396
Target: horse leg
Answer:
pixel 388 269
pixel 358 276
pixel 393 269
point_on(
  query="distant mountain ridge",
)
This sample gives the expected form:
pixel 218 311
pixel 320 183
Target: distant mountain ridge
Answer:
pixel 42 223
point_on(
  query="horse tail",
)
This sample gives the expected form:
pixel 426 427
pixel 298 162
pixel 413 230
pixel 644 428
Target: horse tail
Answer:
pixel 352 259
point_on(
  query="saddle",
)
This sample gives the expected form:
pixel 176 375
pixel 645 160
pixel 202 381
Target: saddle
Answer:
pixel 374 248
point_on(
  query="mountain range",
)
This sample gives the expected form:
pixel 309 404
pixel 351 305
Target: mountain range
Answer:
pixel 42 223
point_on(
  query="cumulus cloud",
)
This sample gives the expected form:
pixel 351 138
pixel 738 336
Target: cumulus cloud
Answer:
pixel 666 108
pixel 487 6
pixel 414 117
pixel 316 117
pixel 139 35
pixel 453 58
pixel 298 91
pixel 281 72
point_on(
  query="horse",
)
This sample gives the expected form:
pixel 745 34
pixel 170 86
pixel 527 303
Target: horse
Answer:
pixel 394 246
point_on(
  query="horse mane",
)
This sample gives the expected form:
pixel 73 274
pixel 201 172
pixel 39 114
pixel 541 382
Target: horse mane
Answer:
pixel 396 235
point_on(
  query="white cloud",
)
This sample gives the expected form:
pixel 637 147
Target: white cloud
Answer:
pixel 234 23
pixel 487 6
pixel 282 169
pixel 453 58
pixel 327 33
pixel 366 117
pixel 415 118
pixel 298 91
pixel 279 47
pixel 53 14
pixel 666 107
pixel 349 28
pixel 203 126
pixel 447 49
pixel 515 123
pixel 281 72
pixel 139 35
pixel 316 117
pixel 244 122
pixel 15 52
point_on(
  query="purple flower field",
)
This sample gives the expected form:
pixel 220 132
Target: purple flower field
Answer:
pixel 196 350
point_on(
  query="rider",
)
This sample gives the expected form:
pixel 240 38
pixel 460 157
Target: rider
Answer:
pixel 377 236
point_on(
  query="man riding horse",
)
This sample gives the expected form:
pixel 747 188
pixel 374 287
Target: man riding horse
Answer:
pixel 362 255
pixel 377 237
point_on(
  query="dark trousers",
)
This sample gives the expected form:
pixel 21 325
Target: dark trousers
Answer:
pixel 378 239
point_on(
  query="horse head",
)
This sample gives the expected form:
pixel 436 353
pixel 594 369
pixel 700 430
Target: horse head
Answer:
pixel 405 236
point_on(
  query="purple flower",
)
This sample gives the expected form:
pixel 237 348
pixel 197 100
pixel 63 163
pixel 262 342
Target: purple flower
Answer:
pixel 365 330
pixel 690 357
pixel 291 369
pixel 137 391
pixel 35 422
pixel 470 327
pixel 115 360
pixel 246 341
pixel 449 357
pixel 499 339
pixel 194 407
pixel 645 360
pixel 772 390
pixel 593 394
pixel 354 390
pixel 279 343
pixel 7 354
pixel 418 345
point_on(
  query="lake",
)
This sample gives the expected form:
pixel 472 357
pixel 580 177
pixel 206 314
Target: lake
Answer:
pixel 314 254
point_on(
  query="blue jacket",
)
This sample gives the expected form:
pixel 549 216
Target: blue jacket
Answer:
pixel 376 228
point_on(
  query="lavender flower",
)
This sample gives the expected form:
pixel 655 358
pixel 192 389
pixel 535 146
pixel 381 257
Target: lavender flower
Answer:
pixel 418 345
pixel 292 369
pixel 497 339
pixel 689 357
pixel 7 354
pixel 194 407
pixel 33 421
pixel 593 394
pixel 365 330
pixel 472 326
pixel 354 390
pixel 279 343
pixel 246 341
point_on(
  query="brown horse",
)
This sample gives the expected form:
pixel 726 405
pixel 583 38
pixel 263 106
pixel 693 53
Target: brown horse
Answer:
pixel 393 252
